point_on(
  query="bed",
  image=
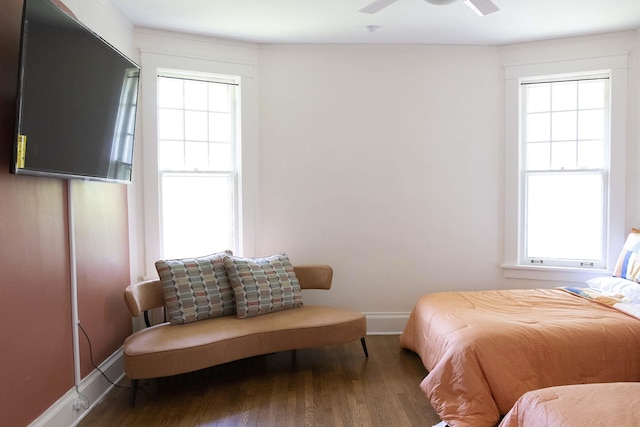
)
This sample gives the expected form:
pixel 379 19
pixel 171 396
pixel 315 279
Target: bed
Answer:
pixel 607 404
pixel 485 349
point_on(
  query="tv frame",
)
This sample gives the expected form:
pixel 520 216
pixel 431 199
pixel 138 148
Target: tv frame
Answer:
pixel 19 148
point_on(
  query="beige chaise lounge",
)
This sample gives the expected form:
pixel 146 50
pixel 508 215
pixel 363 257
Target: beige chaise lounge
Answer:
pixel 164 349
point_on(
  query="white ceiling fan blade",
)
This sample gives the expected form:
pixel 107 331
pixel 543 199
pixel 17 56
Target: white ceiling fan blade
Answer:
pixel 482 7
pixel 377 6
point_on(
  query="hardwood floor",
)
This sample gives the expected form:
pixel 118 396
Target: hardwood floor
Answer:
pixel 326 386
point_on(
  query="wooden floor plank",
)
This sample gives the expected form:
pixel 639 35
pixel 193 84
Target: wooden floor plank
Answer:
pixel 325 386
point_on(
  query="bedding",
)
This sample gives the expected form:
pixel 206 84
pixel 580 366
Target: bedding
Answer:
pixel 485 349
pixel 610 404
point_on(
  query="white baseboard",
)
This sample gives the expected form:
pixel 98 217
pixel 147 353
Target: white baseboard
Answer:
pixel 88 394
pixel 386 323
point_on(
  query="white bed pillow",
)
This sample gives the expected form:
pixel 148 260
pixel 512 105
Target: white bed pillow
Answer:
pixel 617 285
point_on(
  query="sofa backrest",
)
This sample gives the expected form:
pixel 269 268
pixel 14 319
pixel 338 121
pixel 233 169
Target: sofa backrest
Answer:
pixel 143 296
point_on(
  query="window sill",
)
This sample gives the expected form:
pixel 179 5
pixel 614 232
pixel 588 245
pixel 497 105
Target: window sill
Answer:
pixel 558 274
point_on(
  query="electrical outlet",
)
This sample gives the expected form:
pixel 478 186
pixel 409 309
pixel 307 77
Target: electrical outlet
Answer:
pixel 81 403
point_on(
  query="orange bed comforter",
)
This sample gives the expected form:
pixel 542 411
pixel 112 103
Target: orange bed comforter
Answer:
pixel 610 404
pixel 485 349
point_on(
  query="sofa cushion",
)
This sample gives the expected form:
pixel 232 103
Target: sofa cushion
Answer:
pixel 164 350
pixel 628 265
pixel 196 288
pixel 263 285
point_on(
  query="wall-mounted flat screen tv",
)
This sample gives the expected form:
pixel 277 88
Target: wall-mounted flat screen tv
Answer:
pixel 77 98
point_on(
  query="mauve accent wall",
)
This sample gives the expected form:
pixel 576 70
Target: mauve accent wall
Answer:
pixel 102 257
pixel 36 360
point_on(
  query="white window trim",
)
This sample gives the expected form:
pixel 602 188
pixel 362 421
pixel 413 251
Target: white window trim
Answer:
pixel 618 67
pixel 247 145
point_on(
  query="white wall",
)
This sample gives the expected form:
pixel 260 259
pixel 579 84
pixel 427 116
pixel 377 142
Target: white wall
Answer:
pixel 385 162
pixel 103 19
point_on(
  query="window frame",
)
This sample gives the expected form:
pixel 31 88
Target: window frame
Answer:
pixel 525 173
pixel 145 188
pixel 616 66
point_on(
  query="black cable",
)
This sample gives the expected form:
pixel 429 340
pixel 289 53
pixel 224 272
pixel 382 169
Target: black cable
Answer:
pixel 93 363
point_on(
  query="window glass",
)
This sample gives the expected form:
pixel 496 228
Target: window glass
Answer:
pixel 220 157
pixel 592 94
pixel 563 189
pixel 538 156
pixel 591 124
pixel 563 155
pixel 170 124
pixel 219 98
pixel 590 154
pixel 170 93
pixel 195 97
pixel 564 96
pixel 220 129
pixel 196 158
pixel 538 127
pixel 195 125
pixel 563 125
pixel 539 98
pixel 564 216
pixel 197 215
pixel 172 155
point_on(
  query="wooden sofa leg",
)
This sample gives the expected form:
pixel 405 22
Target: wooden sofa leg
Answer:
pixel 134 390
pixel 364 347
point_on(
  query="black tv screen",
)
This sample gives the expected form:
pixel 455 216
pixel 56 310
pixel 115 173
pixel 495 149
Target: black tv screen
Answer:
pixel 77 98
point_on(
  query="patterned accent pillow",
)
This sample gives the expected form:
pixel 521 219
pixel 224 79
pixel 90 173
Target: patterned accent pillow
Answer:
pixel 263 285
pixel 628 265
pixel 196 288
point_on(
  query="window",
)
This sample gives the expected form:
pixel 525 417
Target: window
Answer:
pixel 197 167
pixel 226 189
pixel 565 167
pixel 565 146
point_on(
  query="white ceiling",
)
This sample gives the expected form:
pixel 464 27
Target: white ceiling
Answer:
pixel 406 21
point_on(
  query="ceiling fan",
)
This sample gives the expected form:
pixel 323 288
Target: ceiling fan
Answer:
pixel 481 7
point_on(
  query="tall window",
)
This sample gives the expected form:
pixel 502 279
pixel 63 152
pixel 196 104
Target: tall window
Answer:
pixel 198 174
pixel 564 170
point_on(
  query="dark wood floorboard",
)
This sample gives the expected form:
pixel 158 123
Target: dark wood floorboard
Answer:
pixel 326 386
